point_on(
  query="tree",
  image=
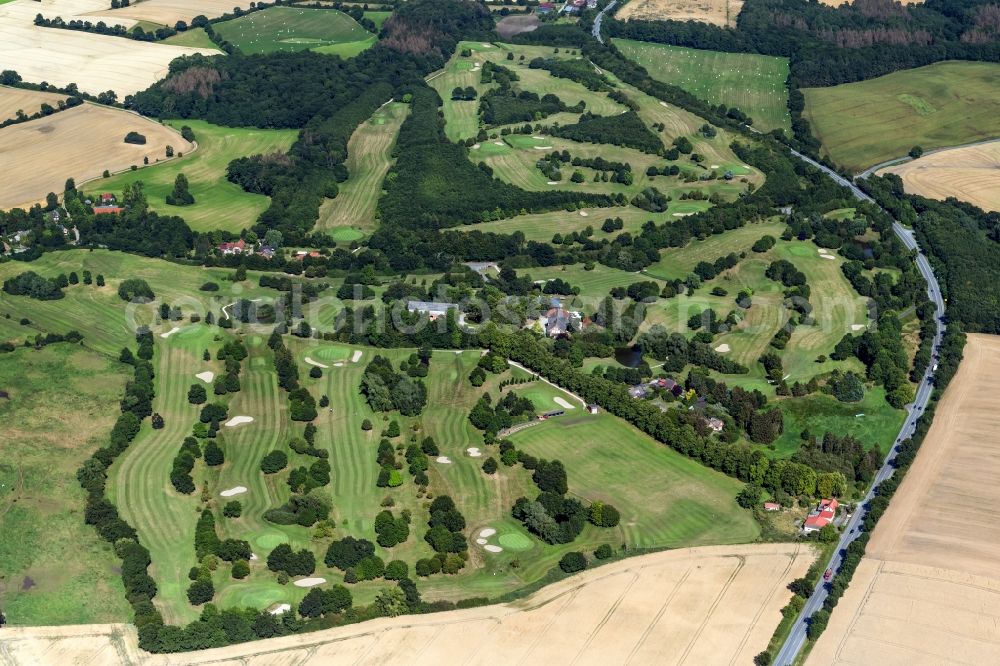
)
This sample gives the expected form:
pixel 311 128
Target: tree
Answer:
pixel 132 290
pixel 273 462
pixel 916 152
pixel 136 138
pixel 750 496
pixel 197 394
pixel 391 602
pixel 232 509
pixel 604 515
pixel 490 465
pixel 572 562
pixel 603 552
pixel 180 196
pixel 214 455
pixel 366 425
pixel 396 570
pixel 828 534
pixel 200 591
pixel 763 659
pixel 241 569
pixel 156 421
pixel 817 623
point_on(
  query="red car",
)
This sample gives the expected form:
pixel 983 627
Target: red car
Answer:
pixel 828 575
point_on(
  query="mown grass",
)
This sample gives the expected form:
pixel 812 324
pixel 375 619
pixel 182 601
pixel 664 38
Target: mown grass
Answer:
pixel 295 29
pixel 54 569
pixel 219 204
pixel 193 37
pixel 944 104
pixel 753 83
pixel 543 226
pixel 351 214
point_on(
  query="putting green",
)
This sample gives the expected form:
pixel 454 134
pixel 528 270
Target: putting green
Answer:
pixel 801 250
pixel 347 233
pixel 269 540
pixel 331 353
pixel 463 65
pixel 515 541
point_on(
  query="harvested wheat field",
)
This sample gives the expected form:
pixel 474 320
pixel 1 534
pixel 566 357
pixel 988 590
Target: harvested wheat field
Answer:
pixel 970 173
pixel 38 156
pixel 716 12
pixel 169 12
pixel 13 100
pixel 928 590
pixel 837 3
pixel 96 63
pixel 713 605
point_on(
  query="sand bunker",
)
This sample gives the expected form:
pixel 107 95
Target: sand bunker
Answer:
pixel 481 542
pixel 553 182
pixel 338 364
pixel 584 213
pixel 714 166
pixel 543 147
pixel 858 327
pixel 356 356
pixel 474 452
pixel 493 549
pixel 444 460
pixel 498 143
pixel 253 556
pixel 562 402
pixel 206 376
pixel 487 532
pixel 723 348
pixel 237 490
pixel 827 256
pixel 282 608
pixel 170 332
pixel 238 420
pixel 682 214
pixel 476 147
pixel 316 363
pixel 309 582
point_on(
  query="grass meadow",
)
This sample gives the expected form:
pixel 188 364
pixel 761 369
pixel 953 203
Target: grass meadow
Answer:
pixel 944 104
pixel 753 83
pixel 542 227
pixel 194 37
pixel 218 204
pixel 296 29
pixel 54 569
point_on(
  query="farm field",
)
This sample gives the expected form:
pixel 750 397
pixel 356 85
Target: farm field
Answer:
pixel 944 104
pixel 169 12
pixel 195 37
pixel 38 156
pixel 717 12
pixel 351 214
pixel 753 83
pixel 929 573
pixel 968 173
pixel 96 63
pixel 295 29
pixel 710 605
pixel 13 100
pixel 53 568
pixel 219 204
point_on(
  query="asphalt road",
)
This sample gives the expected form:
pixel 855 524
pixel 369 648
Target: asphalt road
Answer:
pixel 600 19
pixel 797 638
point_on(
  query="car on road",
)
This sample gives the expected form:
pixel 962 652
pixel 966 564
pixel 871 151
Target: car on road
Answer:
pixel 827 575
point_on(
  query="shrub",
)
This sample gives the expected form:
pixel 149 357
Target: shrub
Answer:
pixel 135 138
pixel 233 509
pixel 603 552
pixel 201 591
pixel 573 562
pixel 275 461
pixel 241 569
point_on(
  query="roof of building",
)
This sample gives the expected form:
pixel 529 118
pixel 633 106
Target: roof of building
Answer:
pixel 771 506
pixel 429 306
pixel 104 210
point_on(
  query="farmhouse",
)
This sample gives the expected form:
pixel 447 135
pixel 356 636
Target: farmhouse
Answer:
pixel 432 309
pixel 714 424
pixel 822 516
pixel 558 321
pixel 233 248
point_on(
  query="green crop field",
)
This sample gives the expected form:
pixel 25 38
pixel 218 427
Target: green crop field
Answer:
pixel 944 104
pixel 53 568
pixel 218 204
pixel 296 29
pixel 753 83
pixel 194 37
pixel 351 214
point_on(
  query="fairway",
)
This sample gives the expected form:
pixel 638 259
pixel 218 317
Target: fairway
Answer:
pixel 945 104
pixel 53 568
pixel 219 204
pixel 295 29
pixel 350 215
pixel 542 227
pixel 755 84
pixel 664 498
pixel 38 156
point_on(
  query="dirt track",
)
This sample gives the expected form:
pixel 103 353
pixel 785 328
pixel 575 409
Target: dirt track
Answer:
pixel 970 173
pixel 928 591
pixel 713 605
pixel 38 156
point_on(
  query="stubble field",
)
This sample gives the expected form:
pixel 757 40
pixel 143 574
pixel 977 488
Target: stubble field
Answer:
pixel 169 12
pixel 38 156
pixel 13 100
pixel 717 12
pixel 970 173
pixel 693 606
pixel 927 591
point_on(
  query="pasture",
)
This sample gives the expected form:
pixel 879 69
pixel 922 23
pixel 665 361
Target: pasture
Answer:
pixel 717 605
pixel 296 29
pixel 53 568
pixel 717 12
pixel 38 156
pixel 969 173
pixel 14 100
pixel 929 572
pixel 219 204
pixel 753 83
pixel 944 104
pixel 96 63
pixel 195 37
pixel 351 214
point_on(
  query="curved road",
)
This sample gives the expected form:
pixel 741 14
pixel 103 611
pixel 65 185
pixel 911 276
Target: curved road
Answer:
pixel 796 639
pixel 600 19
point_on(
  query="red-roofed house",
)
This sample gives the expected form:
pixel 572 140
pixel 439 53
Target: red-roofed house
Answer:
pixel 233 248
pixel 822 516
pixel 107 210
pixel 772 506
pixel 107 198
